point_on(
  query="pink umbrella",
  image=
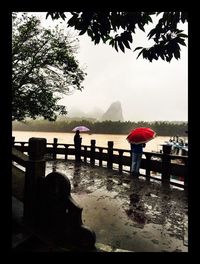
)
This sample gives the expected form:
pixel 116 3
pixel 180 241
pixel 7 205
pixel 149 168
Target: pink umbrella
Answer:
pixel 81 129
pixel 141 135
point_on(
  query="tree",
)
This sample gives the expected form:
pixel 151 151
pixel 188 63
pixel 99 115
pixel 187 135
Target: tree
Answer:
pixel 102 25
pixel 43 69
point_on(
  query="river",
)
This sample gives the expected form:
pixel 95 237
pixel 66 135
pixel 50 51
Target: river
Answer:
pixel 101 139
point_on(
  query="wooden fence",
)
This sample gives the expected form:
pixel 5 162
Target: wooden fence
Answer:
pixel 163 166
pixel 49 211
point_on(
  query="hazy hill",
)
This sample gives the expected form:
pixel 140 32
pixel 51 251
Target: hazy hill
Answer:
pixel 114 113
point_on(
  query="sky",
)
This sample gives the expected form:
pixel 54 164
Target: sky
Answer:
pixel 147 91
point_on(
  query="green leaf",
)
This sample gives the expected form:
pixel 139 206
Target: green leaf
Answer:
pixel 151 33
pixel 121 45
pixel 138 48
pixel 97 39
pixel 82 32
pixel 149 19
pixel 129 37
pixel 90 33
pixel 140 53
pixel 181 41
pixel 112 42
pixel 48 14
pixel 125 41
pixel 107 38
pixel 177 54
pixel 116 46
pixel 161 55
pixel 72 21
pixel 154 56
pixel 183 35
pixel 141 27
pixel 62 15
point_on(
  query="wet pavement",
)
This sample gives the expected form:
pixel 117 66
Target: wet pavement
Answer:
pixel 127 214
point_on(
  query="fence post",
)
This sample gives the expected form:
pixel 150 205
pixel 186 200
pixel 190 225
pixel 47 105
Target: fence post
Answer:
pixel 110 154
pixel 85 154
pixel 66 151
pixel 100 157
pixel 166 165
pixel 92 153
pixel 131 155
pixel 35 169
pixel 148 166
pixel 120 160
pixel 55 142
pixel 13 141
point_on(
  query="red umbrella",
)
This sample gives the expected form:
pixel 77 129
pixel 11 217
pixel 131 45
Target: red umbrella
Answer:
pixel 141 135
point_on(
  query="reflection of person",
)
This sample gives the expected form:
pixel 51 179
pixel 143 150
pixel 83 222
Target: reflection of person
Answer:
pixel 136 151
pixel 77 175
pixel 77 144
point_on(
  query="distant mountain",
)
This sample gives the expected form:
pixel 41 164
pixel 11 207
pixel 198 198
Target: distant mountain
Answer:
pixel 114 113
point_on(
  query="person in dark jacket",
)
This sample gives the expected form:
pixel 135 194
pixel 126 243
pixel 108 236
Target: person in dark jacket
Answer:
pixel 136 151
pixel 77 144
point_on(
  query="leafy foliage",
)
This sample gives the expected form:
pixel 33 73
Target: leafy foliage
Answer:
pixel 102 25
pixel 43 69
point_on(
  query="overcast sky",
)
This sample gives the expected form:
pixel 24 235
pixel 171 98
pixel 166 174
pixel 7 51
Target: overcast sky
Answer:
pixel 148 91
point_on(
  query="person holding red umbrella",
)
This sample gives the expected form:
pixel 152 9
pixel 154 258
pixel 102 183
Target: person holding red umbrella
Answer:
pixel 136 151
pixel 138 138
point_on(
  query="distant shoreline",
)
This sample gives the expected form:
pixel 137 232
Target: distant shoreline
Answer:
pixel 105 127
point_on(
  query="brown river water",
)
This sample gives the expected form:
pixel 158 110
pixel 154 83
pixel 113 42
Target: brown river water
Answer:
pixel 101 139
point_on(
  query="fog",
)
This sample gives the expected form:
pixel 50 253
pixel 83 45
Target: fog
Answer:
pixel 147 91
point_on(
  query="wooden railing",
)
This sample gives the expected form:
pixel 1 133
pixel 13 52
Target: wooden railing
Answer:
pixel 48 207
pixel 158 166
pixel 34 166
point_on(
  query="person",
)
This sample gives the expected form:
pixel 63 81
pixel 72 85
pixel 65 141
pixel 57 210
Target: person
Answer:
pixel 136 151
pixel 77 144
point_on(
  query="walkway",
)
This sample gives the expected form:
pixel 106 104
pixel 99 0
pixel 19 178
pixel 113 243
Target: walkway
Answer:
pixel 127 214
